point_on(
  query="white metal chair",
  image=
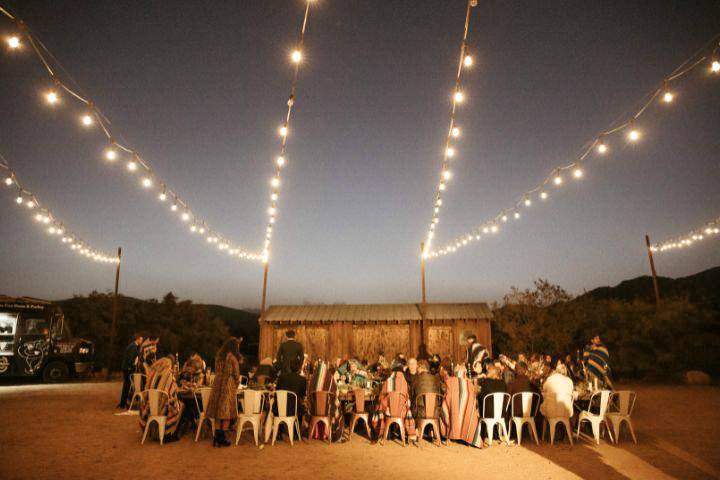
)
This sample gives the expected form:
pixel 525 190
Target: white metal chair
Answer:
pixel 621 406
pixel 253 402
pixel 596 420
pixel 205 398
pixel 500 401
pixel 552 422
pixel 529 402
pixel 158 412
pixel 136 383
pixel 290 421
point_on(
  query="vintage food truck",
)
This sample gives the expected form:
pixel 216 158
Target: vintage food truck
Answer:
pixel 35 342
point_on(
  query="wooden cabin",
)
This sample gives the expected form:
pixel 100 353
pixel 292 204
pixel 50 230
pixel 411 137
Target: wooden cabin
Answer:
pixel 364 331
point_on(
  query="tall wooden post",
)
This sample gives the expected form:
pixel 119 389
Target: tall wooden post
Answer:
pixel 424 299
pixel 652 269
pixel 264 292
pixel 113 325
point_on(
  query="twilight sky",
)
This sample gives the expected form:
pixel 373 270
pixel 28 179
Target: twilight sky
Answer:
pixel 199 88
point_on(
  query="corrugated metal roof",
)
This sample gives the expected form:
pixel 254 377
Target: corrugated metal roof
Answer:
pixel 376 313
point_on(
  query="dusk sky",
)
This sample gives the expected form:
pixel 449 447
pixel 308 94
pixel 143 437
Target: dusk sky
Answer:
pixel 199 89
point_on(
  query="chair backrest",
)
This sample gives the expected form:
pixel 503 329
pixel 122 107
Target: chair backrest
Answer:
pixel 500 401
pixel 137 382
pixel 527 404
pixel 253 402
pixel 428 407
pixel 244 380
pixel 359 396
pixel 622 402
pixel 321 403
pixel 602 402
pixel 205 396
pixel 155 401
pixel 396 402
pixel 282 399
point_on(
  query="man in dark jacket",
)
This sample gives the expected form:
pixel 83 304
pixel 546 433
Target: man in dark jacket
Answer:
pixel 128 367
pixel 288 352
pixel 296 383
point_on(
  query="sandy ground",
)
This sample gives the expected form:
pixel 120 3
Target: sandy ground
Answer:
pixel 69 431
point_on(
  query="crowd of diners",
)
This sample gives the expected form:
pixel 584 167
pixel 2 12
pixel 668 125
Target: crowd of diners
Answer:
pixel 461 387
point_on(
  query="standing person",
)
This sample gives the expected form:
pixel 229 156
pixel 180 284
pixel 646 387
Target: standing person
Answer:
pixel 128 367
pixel 147 354
pixel 222 404
pixel 596 359
pixel 476 354
pixel 289 351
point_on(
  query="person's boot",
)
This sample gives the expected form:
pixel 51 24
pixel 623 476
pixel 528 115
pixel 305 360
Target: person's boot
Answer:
pixel 218 438
pixel 223 442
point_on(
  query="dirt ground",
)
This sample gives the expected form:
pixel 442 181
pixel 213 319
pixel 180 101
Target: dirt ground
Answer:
pixel 69 431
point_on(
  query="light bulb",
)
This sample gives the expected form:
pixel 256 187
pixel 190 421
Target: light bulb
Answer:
pixel 450 152
pixel 296 56
pixel 280 161
pixel 272 210
pixel 668 97
pixel 273 196
pixel 516 215
pixel 19 200
pixel 715 66
pixel 468 61
pixel 8 181
pixel 38 217
pixel 147 182
pixel 51 230
pixel 275 182
pixel 283 131
pixel 459 97
pixel 528 202
pixel 602 148
pixel 46 219
pixel 185 216
pixel 447 174
pixel 633 135
pixel 162 197
pixel 558 180
pixel 52 97
pixel 442 187
pixel 455 132
pixel 174 207
pixel 132 165
pixel 494 229
pixel 201 230
pixel 438 202
pixel 578 172
pixel 543 195
pixel 30 204
pixel 110 154
pixel 87 120
pixel 13 42
pixel 193 228
pixel 504 218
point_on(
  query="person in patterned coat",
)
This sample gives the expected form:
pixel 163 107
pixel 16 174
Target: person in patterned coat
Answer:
pixel 161 377
pixel 222 404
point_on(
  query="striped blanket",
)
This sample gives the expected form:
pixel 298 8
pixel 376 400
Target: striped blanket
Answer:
pixel 395 405
pixel 161 378
pixel 460 412
pixel 323 380
pixel 597 363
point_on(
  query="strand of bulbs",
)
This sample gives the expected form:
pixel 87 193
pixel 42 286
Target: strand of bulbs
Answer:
pixel 709 230
pixel 116 152
pixel 52 225
pixel 458 96
pixel 575 171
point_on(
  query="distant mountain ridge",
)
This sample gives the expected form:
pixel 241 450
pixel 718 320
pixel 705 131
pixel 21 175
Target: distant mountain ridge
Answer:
pixel 703 287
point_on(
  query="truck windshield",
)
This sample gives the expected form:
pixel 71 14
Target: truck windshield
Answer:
pixel 8 323
pixel 33 326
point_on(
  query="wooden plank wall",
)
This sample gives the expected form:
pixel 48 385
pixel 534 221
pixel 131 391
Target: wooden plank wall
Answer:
pixel 366 340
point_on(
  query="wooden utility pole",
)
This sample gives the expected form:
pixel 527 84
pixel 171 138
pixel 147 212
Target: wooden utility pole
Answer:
pixel 113 326
pixel 652 269
pixel 424 302
pixel 264 292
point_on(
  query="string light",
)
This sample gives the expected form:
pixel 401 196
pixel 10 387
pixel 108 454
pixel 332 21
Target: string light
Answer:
pixel 13 42
pixel 51 224
pixel 599 145
pixel 453 133
pixel 715 65
pixel 709 230
pixel 137 163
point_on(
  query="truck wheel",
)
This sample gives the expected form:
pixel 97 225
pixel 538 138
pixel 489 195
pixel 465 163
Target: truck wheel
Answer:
pixel 55 372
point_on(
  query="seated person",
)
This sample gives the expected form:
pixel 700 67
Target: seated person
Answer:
pixel 192 374
pixel 265 372
pixel 557 394
pixel 521 383
pixel 352 373
pixel 161 377
pixel 488 385
pixel 424 382
pixel 293 382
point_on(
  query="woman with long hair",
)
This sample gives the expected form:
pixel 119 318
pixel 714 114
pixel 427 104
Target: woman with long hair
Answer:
pixel 222 405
